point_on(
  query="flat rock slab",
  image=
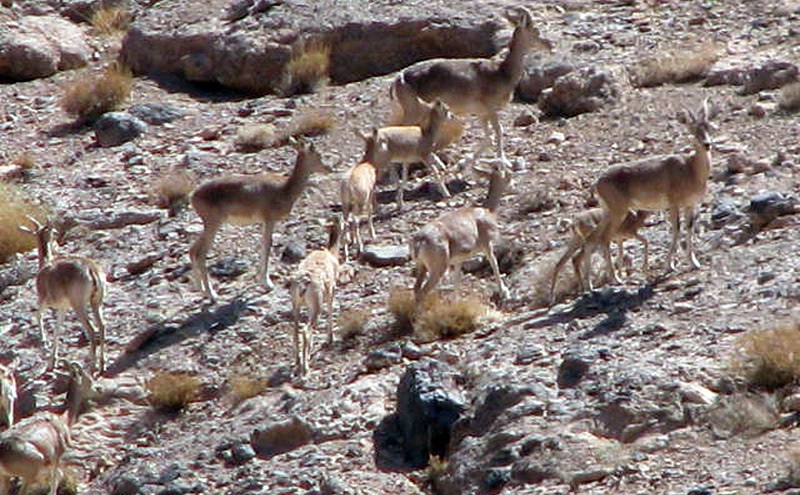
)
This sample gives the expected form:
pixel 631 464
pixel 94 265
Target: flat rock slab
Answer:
pixel 382 256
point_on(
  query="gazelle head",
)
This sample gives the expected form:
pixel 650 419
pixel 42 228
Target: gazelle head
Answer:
pixel 521 18
pixel 699 124
pixel 44 236
pixel 309 156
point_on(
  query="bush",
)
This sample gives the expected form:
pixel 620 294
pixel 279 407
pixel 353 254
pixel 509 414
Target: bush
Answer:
pixel 15 207
pixel 255 137
pixel 244 387
pixel 307 124
pixel 171 392
pixel 87 98
pixel 404 310
pixel 675 67
pixel 790 97
pixel 109 20
pixel 352 323
pixel 173 191
pixel 307 71
pixel 448 318
pixel 770 359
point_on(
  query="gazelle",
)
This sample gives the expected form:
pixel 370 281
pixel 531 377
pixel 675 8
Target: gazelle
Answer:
pixel 449 240
pixel 314 284
pixel 34 446
pixel 411 110
pixel 245 200
pixel 65 282
pixel 414 143
pixel 8 390
pixel 674 182
pixel 582 227
pixel 357 192
pixel 481 86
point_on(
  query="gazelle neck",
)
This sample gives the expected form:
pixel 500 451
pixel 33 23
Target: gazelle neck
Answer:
pixel 511 65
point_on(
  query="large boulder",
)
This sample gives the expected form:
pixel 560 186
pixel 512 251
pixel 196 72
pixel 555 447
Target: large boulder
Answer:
pixel 39 46
pixel 246 45
pixel 581 91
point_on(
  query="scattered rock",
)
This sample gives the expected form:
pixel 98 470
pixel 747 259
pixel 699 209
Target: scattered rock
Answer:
pixel 116 128
pixel 280 436
pixel 380 256
pixel 771 75
pixel 537 78
pixel 383 357
pixel 724 211
pixel 40 46
pixel 582 91
pixel 294 252
pixel 524 119
pixel 766 207
pixel 573 367
pixel 227 267
pixel 428 406
pixel 156 113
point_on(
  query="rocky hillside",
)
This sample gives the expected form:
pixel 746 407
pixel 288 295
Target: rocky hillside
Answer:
pixel 632 388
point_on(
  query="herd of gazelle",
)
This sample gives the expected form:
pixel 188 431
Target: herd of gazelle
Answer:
pixel 425 94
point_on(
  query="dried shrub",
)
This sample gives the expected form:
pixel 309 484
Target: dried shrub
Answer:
pixel 255 137
pixel 173 191
pixel 244 387
pixel 352 323
pixel 15 207
pixel 770 359
pixel 743 414
pixel 171 392
pixel 790 97
pixel 87 98
pixel 448 318
pixel 25 160
pixel 108 20
pixel 307 124
pixel 404 310
pixel 307 71
pixel 672 68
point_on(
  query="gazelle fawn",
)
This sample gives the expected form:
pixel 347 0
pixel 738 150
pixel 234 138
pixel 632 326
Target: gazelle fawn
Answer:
pixel 34 447
pixel 674 182
pixel 8 390
pixel 314 284
pixel 414 143
pixel 481 87
pixel 449 240
pixel 357 192
pixel 582 227
pixel 246 200
pixel 411 110
pixel 69 282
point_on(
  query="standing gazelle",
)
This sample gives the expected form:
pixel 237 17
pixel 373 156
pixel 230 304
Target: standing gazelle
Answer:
pixel 314 284
pixel 245 200
pixel 674 182
pixel 477 86
pixel 449 240
pixel 8 390
pixel 66 282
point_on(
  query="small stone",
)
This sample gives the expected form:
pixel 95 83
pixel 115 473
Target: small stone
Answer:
pixel 757 111
pixel 765 277
pixel 116 128
pixel 697 394
pixel 242 453
pixel 383 256
pixel 524 119
pixel 383 358
pixel 791 403
pixel 682 307
pixel 294 252
pixel 556 138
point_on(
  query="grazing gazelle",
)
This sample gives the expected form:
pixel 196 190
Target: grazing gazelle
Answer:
pixel 314 284
pixel 357 192
pixel 449 240
pixel 69 282
pixel 33 447
pixel 415 143
pixel 480 86
pixel 584 224
pixel 246 200
pixel 8 390
pixel 674 182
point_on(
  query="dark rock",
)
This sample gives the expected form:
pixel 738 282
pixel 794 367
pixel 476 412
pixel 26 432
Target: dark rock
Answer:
pixel 497 398
pixel 723 212
pixel 384 357
pixel 155 113
pixel 125 485
pixel 766 207
pixel 227 267
pixel 537 78
pixel 383 256
pixel 428 405
pixel 726 77
pixel 294 252
pixel 572 368
pixel 582 91
pixel 771 75
pixel 242 453
pixel 116 128
pixel 524 119
pixel 280 436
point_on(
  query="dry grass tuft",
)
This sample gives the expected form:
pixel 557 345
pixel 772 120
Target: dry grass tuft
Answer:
pixel 404 310
pixel 108 20
pixel 244 387
pixel 307 71
pixel 448 318
pixel 173 191
pixel 15 206
pixel 171 392
pixel 673 68
pixel 770 359
pixel 790 97
pixel 307 124
pixel 352 323
pixel 87 98
pixel 255 137
pixel 25 160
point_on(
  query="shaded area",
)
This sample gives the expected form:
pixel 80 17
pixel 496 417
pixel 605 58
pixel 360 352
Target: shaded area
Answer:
pixel 163 335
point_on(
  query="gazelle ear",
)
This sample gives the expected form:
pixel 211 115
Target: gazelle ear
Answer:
pixel 26 230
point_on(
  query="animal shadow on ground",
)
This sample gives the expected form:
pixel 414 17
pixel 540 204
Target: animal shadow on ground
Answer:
pixel 614 302
pixel 162 335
